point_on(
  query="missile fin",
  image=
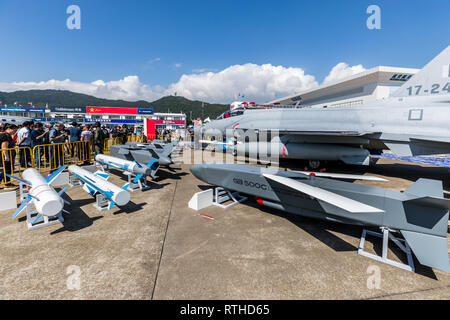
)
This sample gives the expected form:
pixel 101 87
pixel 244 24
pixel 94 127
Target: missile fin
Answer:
pixel 89 190
pixel 34 197
pixel 421 243
pixel 137 178
pixel 334 199
pixel 19 179
pixel 102 175
pixel 111 204
pixel 37 218
pixel 21 207
pixel 139 165
pixel 125 187
pixel 62 191
pixel 53 176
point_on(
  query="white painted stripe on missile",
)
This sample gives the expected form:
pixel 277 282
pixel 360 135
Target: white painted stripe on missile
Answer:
pixel 343 176
pixel 324 195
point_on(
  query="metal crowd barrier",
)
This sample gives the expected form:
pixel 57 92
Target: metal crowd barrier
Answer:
pixel 50 157
pixel 20 158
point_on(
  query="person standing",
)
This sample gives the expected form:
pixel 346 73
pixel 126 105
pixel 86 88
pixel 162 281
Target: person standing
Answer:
pixel 57 137
pixel 7 156
pixel 46 142
pixel 37 136
pixel 124 133
pixel 99 139
pixel 74 136
pixel 86 137
pixel 24 142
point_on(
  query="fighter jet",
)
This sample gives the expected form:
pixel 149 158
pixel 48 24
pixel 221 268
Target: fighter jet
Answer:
pixel 414 121
pixel 420 213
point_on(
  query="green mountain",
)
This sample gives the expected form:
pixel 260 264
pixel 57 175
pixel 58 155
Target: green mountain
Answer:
pixel 67 98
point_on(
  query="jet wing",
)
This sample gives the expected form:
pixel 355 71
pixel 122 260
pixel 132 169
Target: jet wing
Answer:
pixel 334 199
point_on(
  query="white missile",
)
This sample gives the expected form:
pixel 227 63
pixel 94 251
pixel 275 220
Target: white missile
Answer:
pixel 98 182
pixel 134 167
pixel 42 195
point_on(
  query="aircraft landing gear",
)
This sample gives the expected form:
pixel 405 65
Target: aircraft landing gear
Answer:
pixel 314 164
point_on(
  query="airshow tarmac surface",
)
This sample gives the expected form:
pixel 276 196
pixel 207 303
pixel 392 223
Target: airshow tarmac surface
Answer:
pixel 158 248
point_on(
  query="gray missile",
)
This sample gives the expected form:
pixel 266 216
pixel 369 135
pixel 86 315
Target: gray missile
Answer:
pixel 304 151
pixel 420 213
pixel 139 169
pixel 139 154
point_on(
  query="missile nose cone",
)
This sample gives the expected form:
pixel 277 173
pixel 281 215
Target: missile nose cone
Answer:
pixel 165 161
pixel 197 171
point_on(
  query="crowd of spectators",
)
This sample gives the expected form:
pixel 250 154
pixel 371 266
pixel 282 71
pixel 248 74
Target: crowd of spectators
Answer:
pixel 56 137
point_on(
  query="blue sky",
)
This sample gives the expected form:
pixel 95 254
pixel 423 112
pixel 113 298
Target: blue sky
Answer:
pixel 159 41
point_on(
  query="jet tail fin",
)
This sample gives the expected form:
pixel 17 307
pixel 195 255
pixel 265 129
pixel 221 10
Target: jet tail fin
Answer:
pixel 433 79
pixel 430 250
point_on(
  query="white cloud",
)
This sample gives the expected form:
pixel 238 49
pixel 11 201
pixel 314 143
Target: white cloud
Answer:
pixel 128 88
pixel 342 70
pixel 259 83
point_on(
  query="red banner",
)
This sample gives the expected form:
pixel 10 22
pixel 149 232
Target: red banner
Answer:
pixel 111 110
pixel 150 129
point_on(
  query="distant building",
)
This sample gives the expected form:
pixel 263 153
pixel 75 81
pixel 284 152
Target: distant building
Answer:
pixel 109 116
pixel 374 84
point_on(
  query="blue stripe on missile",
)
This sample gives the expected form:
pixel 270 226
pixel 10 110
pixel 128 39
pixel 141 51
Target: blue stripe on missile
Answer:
pixel 151 163
pixel 109 164
pixel 108 194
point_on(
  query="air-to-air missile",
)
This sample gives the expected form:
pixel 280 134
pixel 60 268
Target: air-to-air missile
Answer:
pixel 413 121
pixel 98 182
pixel 140 154
pixel 420 213
pixel 138 169
pixel 42 195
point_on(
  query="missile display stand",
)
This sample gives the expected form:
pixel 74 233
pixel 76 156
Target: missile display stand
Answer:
pixel 216 196
pixel 43 221
pixel 74 181
pixel 23 191
pixel 136 186
pixel 102 167
pixel 101 202
pixel 386 235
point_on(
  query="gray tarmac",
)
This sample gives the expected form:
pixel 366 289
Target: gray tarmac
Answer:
pixel 158 248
